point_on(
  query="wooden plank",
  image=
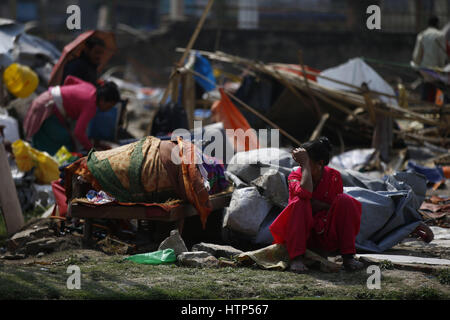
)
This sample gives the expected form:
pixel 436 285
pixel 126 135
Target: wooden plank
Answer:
pixel 9 202
pixel 114 211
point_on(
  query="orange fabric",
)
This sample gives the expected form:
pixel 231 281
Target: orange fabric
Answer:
pixel 226 112
pixel 439 100
pixel 79 168
pixel 188 166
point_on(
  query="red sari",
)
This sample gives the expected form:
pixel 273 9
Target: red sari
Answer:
pixel 335 229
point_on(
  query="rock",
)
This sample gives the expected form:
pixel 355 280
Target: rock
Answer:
pixel 246 211
pixel 14 256
pixel 41 245
pixel 223 263
pixel 175 242
pixel 30 234
pixel 216 250
pixel 197 259
pixel 40 255
pixel 274 186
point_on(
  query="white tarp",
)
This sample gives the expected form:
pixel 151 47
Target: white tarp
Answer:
pixel 356 72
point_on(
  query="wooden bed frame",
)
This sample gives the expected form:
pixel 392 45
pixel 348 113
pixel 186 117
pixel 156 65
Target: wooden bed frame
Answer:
pixel 89 212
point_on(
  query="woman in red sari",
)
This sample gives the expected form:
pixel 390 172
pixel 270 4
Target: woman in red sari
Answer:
pixel 319 215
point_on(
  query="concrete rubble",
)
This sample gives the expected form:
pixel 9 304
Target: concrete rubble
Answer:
pixel 197 259
pixel 218 251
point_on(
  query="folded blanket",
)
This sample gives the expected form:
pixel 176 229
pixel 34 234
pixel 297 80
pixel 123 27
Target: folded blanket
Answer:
pixel 141 171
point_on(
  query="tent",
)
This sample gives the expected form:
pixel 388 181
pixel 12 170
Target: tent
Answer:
pixel 356 72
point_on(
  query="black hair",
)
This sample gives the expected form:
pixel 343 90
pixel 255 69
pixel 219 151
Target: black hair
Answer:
pixel 108 91
pixel 319 149
pixel 91 42
pixel 433 21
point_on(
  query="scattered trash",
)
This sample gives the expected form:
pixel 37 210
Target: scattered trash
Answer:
pixel 174 242
pixel 165 256
pixel 26 157
pixel 100 197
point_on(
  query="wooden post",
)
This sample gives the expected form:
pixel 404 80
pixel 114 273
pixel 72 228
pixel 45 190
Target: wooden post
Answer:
pixel 87 232
pixel 190 44
pixel 185 54
pixel 319 127
pixel 189 97
pixel 9 202
pixel 369 103
pixel 313 98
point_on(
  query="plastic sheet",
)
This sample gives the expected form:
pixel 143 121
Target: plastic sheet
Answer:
pixel 157 257
pixel 46 168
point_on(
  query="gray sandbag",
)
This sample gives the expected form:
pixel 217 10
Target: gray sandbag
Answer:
pixel 251 164
pixel 238 183
pixel 274 187
pixel 246 211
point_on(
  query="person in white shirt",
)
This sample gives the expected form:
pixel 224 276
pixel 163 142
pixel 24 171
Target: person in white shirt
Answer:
pixel 430 52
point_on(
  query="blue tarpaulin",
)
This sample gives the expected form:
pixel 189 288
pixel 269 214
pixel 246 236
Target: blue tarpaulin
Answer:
pixel 389 207
pixel 203 67
pixel 432 174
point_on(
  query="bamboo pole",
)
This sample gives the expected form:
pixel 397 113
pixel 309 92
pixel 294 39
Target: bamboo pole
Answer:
pixel 291 88
pixel 316 105
pixel 189 46
pixel 352 98
pixel 250 109
pixel 183 58
pixel 319 127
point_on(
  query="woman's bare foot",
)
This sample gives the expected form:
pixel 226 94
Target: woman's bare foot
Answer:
pixel 297 265
pixel 350 264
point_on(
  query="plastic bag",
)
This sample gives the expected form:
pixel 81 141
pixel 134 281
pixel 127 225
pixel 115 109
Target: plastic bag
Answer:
pixel 156 257
pixel 46 168
pixel 63 155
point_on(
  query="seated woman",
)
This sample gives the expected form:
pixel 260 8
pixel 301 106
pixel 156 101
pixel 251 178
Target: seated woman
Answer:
pixel 319 215
pixel 60 116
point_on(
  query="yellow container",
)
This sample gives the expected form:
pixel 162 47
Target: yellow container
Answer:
pixel 20 80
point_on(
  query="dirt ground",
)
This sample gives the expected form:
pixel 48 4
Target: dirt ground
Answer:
pixel 111 277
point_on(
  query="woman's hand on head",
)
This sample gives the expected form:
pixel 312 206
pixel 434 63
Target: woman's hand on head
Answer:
pixel 300 156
